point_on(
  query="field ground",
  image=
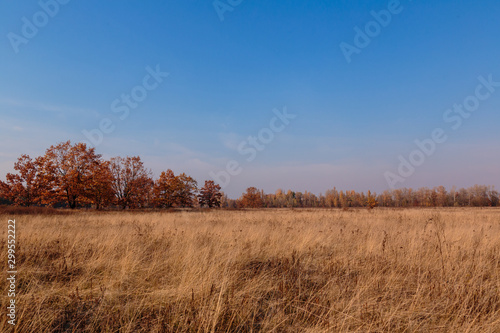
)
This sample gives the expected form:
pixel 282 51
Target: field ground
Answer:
pixel 380 270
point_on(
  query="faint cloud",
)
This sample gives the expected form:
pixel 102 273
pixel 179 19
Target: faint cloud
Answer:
pixel 124 146
pixel 178 149
pixel 41 106
pixel 230 140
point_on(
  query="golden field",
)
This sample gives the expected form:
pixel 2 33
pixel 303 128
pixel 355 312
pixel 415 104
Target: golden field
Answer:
pixel 280 270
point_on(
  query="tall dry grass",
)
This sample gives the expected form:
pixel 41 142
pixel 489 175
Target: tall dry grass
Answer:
pixel 382 270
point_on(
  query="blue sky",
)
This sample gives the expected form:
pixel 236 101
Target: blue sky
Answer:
pixel 225 77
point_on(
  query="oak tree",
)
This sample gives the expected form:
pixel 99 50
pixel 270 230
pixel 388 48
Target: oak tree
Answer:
pixel 164 190
pixel 67 170
pixel 170 190
pixel 186 190
pixel 210 194
pixel 99 190
pixel 27 186
pixel 251 198
pixel 130 181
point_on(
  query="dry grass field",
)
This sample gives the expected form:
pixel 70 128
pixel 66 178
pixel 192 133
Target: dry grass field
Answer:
pixel 380 270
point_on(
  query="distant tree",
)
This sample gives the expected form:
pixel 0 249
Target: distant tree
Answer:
pixel 493 197
pixel 130 181
pixel 99 186
pixel 441 196
pixel 226 202
pixel 289 198
pixel 279 198
pixel 210 194
pixel 310 200
pixel 463 197
pixel 27 187
pixel 343 200
pixel 299 199
pixel 164 189
pixel 453 196
pixel 480 196
pixel 433 198
pixel 186 190
pixel 371 201
pixel 170 190
pixel 332 198
pixel 385 198
pixel 251 198
pixel 67 170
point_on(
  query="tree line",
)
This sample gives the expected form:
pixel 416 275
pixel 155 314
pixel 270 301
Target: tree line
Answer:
pixel 75 176
pixel 475 196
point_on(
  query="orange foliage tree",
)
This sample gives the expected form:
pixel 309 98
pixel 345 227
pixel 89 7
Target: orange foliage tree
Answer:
pixel 210 194
pixel 186 191
pixel 170 190
pixel 164 190
pixel 252 198
pixel 371 201
pixel 131 182
pixel 67 170
pixel 99 186
pixel 27 186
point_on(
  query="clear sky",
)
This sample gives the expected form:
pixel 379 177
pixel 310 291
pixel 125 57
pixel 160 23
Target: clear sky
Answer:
pixel 361 90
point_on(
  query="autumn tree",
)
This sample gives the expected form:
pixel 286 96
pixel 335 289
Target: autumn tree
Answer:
pixel 310 200
pixel 289 198
pixel 371 201
pixel 27 187
pixel 210 194
pixel 343 202
pixel 441 196
pixel 67 171
pixel 494 197
pixel 186 191
pixel 385 199
pixel 279 198
pixel 332 198
pixel 479 195
pixel 164 190
pixel 130 181
pixel 226 202
pixel 251 198
pixel 170 190
pixel 99 189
